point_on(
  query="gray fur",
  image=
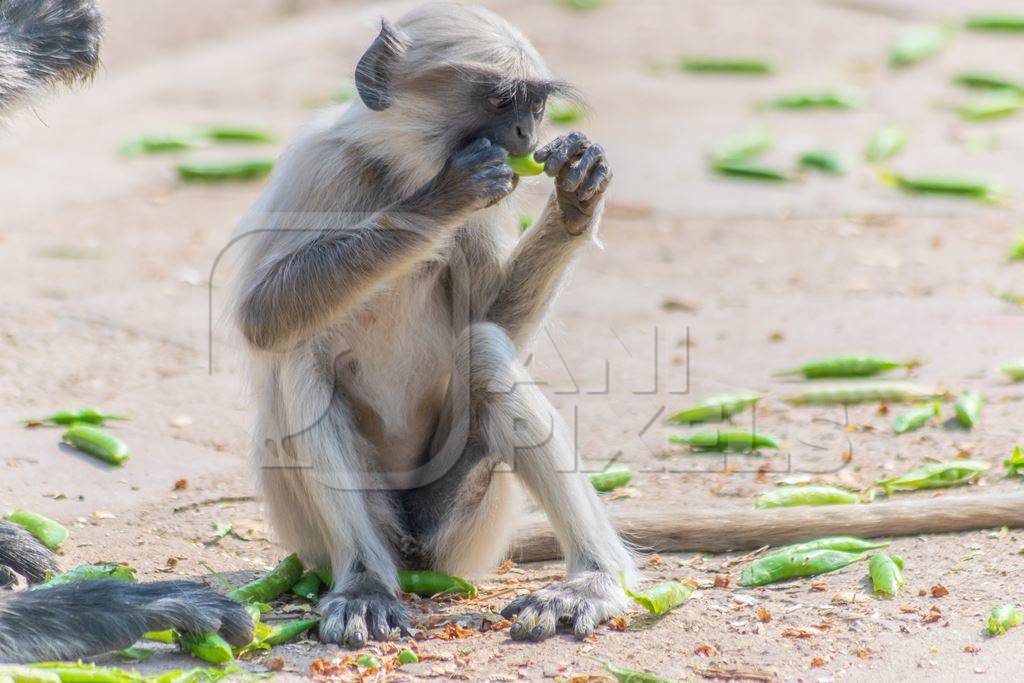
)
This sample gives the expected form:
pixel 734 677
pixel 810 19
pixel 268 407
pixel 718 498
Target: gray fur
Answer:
pixel 44 43
pixel 86 618
pixel 23 554
pixel 385 306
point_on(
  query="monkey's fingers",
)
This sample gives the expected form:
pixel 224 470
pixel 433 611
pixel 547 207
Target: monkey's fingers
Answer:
pixel 567 149
pixel 597 183
pixel 573 175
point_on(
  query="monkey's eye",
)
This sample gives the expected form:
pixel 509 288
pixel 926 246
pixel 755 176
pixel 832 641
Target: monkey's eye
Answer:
pixel 499 101
pixel 537 106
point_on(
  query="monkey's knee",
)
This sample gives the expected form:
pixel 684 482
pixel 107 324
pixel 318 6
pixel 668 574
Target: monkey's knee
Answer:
pixel 485 358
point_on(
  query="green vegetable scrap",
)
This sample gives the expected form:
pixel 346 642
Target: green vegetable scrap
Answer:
pixel 915 418
pixel 936 475
pixel 968 408
pixel 865 392
pixel 715 408
pixel 847 366
pixel 49 532
pixel 719 440
pixel 917 43
pixel 98 443
pixel 216 173
pixel 886 574
pixel 789 565
pixel 1002 618
pixel 792 496
pixel 427 583
pixel 616 475
pixel 885 144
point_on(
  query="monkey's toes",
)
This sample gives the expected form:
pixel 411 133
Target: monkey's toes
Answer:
pixel 578 605
pixel 351 619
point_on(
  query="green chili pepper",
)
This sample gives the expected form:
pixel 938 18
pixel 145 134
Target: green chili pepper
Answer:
pixel 50 533
pixel 525 165
pixel 629 675
pixel 743 169
pixel 719 440
pixel 782 566
pixel 407 656
pixel 168 636
pixel 823 160
pixel 968 408
pixel 237 134
pixel 615 475
pixel 961 187
pixel 426 583
pixel 161 143
pixel 64 418
pixel 308 586
pixel 917 43
pixel 983 81
pixel 892 392
pixel 661 597
pixel 725 65
pixel 288 631
pixel 135 654
pixel 846 544
pixel 281 578
pixel 209 647
pixel 1002 618
pixel 108 571
pixel 993 105
pixel 715 408
pixel 215 173
pixel 847 366
pixel 936 475
pixel 98 443
pixel 743 145
pixel 65 672
pixel 791 496
pixel 1015 464
pixel 836 98
pixel 886 573
pixel 1017 248
pixel 915 418
pixel 995 22
pixel 368 662
pixel 564 113
pixel 886 144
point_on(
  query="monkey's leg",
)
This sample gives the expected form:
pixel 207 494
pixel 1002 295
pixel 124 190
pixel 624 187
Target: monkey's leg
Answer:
pixel 323 487
pixel 508 421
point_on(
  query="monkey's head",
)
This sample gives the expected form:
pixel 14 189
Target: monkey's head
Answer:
pixel 448 74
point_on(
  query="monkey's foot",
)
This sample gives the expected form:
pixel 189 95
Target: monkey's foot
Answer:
pixel 365 608
pixel 578 604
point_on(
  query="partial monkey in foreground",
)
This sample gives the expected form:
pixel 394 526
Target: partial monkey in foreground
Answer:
pixel 386 307
pixel 44 43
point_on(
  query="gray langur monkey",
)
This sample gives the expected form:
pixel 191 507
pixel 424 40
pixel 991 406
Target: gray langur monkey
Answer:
pixel 386 305
pixel 44 43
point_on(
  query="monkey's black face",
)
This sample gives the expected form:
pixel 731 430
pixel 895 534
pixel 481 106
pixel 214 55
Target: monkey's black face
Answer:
pixel 510 115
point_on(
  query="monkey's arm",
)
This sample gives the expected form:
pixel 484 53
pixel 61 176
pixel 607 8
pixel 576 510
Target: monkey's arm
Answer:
pixel 304 289
pixel 536 267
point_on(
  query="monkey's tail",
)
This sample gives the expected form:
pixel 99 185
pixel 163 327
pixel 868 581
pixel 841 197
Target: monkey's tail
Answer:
pixel 86 618
pixel 46 42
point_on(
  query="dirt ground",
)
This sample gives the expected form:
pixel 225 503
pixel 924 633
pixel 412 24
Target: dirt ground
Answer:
pixel 104 300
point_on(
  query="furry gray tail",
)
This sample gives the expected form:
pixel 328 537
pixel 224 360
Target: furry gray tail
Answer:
pixel 46 42
pixel 86 618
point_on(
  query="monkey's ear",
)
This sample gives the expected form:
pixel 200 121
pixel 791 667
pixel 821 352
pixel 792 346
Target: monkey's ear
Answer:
pixel 374 70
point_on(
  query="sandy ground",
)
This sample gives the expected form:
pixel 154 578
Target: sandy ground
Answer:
pixel 105 300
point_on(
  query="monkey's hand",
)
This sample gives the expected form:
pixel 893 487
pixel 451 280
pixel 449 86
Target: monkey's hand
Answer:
pixel 578 604
pixel 581 174
pixel 473 178
pixel 363 608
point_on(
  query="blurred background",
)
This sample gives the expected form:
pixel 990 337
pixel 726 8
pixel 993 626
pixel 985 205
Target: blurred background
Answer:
pixel 730 254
